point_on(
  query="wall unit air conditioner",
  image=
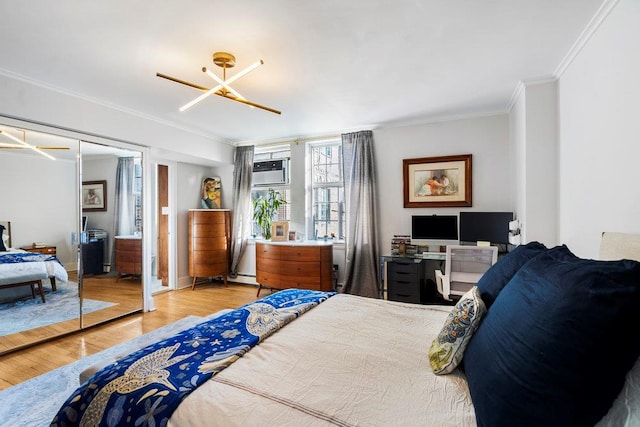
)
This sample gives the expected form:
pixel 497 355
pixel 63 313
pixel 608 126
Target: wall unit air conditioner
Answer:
pixel 270 172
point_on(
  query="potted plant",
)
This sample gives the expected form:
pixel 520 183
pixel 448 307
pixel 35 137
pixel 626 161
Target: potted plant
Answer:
pixel 265 208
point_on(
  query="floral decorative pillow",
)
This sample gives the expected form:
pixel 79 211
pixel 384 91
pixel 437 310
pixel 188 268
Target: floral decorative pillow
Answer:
pixel 448 347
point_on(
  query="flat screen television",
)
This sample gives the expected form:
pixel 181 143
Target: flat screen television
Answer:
pixel 485 227
pixel 434 230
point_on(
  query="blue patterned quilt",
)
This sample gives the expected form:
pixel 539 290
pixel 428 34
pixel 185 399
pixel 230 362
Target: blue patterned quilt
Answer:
pixel 145 387
pixel 16 257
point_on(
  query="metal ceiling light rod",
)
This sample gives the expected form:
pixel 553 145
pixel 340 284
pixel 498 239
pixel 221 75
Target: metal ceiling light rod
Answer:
pixel 24 143
pixel 224 60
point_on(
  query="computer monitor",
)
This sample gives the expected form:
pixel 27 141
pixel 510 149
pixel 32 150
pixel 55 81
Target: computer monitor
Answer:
pixel 434 230
pixel 490 227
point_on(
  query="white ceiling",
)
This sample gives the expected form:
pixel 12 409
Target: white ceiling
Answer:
pixel 330 66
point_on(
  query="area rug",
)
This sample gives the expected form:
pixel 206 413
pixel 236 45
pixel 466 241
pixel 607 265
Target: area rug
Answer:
pixel 60 306
pixel 35 402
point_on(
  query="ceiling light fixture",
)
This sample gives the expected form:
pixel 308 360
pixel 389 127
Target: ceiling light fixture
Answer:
pixel 23 144
pixel 224 60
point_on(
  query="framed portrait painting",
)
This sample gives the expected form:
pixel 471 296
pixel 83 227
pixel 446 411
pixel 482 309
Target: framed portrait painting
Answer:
pixel 432 182
pixel 94 196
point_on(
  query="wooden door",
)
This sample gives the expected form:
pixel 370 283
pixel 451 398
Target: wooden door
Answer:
pixel 163 223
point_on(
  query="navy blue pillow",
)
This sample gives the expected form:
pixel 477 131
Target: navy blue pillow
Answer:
pixel 2 247
pixel 492 282
pixel 555 346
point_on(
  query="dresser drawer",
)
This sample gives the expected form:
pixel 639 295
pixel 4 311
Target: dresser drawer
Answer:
pixel 403 267
pixel 300 282
pixel 300 253
pixel 266 278
pixel 309 269
pixel 414 299
pixel 209 243
pixel 267 251
pixel 209 230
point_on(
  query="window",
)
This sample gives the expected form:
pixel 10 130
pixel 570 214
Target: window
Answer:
pixel 327 190
pixel 284 212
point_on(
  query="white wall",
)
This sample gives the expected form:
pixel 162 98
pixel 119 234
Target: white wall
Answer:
pixel 534 161
pixel 39 198
pixel 486 138
pixel 599 105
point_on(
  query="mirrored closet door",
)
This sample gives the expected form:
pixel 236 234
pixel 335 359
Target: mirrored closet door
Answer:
pixel 39 294
pixel 71 222
pixel 111 244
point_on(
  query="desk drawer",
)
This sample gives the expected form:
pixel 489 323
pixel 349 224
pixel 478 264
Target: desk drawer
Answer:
pixel 414 299
pixel 406 288
pixel 403 267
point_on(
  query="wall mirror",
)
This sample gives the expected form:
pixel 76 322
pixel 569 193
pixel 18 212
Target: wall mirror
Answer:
pixel 43 204
pixel 39 199
pixel 111 240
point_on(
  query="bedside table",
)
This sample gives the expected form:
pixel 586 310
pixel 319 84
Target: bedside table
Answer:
pixel 48 250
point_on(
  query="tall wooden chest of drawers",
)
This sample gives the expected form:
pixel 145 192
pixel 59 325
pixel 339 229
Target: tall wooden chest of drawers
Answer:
pixel 306 265
pixel 128 252
pixel 209 241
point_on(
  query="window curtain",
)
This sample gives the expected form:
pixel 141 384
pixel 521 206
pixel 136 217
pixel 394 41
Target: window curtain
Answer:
pixel 125 201
pixel 242 222
pixel 124 222
pixel 361 239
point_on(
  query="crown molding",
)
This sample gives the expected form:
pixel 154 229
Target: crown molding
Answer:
pixel 522 84
pixel 38 83
pixel 595 22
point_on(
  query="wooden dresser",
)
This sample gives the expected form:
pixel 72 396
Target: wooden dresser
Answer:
pixel 128 252
pixel 306 265
pixel 209 241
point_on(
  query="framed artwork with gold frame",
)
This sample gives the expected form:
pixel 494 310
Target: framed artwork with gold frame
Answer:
pixel 432 182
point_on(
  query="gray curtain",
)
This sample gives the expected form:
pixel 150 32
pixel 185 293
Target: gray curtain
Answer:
pixel 242 222
pixel 124 222
pixel 125 204
pixel 361 240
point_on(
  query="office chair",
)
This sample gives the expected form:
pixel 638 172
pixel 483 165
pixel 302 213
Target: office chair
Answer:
pixel 464 266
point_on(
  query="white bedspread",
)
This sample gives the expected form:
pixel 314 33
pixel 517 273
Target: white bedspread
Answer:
pixel 31 269
pixel 350 361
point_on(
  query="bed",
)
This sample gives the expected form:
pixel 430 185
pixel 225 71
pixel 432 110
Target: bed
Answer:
pixel 20 269
pixel 324 359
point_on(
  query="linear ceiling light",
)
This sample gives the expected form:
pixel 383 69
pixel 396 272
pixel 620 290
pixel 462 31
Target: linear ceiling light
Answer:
pixel 24 143
pixel 224 60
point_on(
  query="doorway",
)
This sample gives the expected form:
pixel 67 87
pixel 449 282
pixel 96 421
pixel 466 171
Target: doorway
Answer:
pixel 161 255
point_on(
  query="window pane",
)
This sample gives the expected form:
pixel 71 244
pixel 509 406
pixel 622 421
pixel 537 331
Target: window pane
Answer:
pixel 328 212
pixel 284 211
pixel 327 163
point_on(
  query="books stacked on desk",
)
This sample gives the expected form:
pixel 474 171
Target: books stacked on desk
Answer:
pixel 399 244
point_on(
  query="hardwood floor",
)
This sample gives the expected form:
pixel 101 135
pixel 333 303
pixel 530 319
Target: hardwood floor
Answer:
pixel 207 298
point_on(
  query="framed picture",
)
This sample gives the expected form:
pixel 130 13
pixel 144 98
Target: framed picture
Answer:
pixel 292 235
pixel 279 230
pixel 432 182
pixel 94 196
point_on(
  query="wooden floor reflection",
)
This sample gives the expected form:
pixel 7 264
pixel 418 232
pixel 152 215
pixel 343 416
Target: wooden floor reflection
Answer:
pixel 125 294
